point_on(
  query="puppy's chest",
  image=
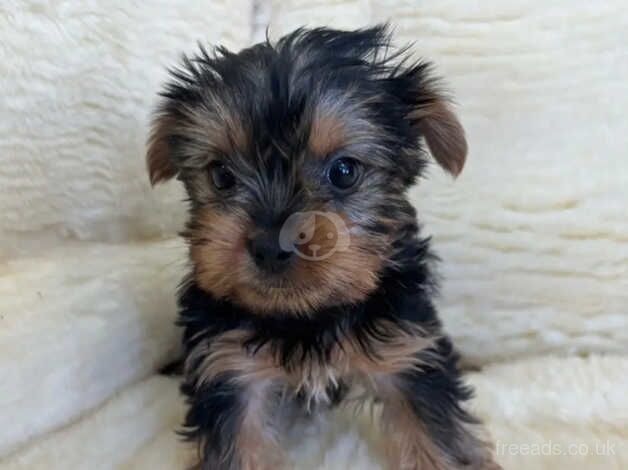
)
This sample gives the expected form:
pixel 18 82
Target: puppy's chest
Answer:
pixel 318 380
pixel 314 374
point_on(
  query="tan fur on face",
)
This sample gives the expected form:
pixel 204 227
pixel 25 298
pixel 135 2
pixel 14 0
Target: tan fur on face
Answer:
pixel 345 276
pixel 218 250
pixel 327 134
pixel 338 122
pixel 223 266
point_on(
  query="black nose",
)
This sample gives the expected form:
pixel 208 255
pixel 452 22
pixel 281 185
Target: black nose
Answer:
pixel 267 253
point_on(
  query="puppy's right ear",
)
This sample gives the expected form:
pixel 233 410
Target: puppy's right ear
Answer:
pixel 158 154
pixel 430 113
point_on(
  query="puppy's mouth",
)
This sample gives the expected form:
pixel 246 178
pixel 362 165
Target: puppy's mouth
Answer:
pixel 284 283
pixel 280 292
pixel 271 284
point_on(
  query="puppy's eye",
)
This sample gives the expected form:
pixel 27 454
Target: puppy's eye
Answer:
pixel 344 173
pixel 222 177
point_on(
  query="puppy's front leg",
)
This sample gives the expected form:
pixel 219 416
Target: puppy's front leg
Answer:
pixel 233 396
pixel 426 426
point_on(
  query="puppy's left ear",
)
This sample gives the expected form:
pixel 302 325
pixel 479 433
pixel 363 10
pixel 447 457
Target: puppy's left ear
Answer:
pixel 430 112
pixel 158 154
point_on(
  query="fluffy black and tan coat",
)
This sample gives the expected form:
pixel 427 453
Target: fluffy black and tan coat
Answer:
pixel 256 137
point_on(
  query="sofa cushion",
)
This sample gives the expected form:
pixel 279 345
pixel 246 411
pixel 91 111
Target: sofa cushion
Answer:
pixel 78 324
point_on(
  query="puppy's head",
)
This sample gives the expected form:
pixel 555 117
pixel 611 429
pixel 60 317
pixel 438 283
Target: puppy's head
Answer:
pixel 296 157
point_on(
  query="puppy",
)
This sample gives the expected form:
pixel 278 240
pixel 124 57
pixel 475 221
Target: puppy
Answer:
pixel 309 279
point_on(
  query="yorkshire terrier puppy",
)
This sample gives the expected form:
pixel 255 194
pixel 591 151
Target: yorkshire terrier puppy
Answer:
pixel 309 278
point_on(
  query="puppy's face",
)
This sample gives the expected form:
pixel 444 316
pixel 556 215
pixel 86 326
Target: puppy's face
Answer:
pixel 296 158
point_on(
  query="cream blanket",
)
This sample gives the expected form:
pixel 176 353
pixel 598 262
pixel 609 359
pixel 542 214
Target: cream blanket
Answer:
pixel 534 235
